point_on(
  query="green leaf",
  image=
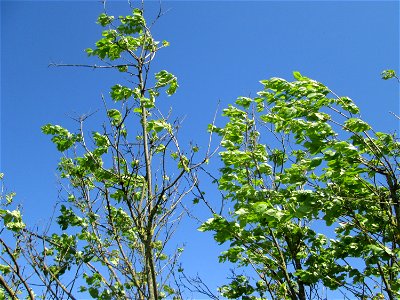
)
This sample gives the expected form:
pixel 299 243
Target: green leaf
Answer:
pixel 94 292
pixel 162 256
pixel 132 24
pixel 122 68
pixel 356 125
pixel 315 162
pixel 348 105
pixel 61 136
pixel 119 92
pixel 244 102
pixel 4 269
pixel 89 51
pixel 100 140
pixel 115 115
pixel 388 74
pixel 297 75
pixel 376 250
pixel 104 20
pixel 10 197
pixel 165 78
pixel 12 220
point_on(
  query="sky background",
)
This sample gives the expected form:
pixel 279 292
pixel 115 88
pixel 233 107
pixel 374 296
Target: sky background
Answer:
pixel 219 51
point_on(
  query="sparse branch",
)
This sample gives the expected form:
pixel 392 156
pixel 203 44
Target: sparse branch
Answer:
pixel 92 66
pixel 16 270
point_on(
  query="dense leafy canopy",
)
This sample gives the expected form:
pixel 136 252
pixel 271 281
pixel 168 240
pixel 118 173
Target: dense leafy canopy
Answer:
pixel 315 195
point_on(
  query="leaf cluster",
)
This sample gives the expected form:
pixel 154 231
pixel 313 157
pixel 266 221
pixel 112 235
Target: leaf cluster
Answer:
pixel 300 162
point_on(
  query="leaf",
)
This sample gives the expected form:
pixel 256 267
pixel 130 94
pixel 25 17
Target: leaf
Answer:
pixel 94 292
pixel 4 269
pixel 61 136
pixel 12 220
pixel 104 20
pixel 162 256
pixel 297 75
pixel 165 78
pixel 388 74
pixel 119 92
pixel 348 105
pixel 244 102
pixel 376 250
pixel 100 140
pixel 315 162
pixel 122 68
pixel 157 125
pixel 132 24
pixel 115 115
pixel 356 125
pixel 89 51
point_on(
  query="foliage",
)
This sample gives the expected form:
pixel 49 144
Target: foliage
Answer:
pixel 314 192
pixel 389 74
pixel 13 280
pixel 123 185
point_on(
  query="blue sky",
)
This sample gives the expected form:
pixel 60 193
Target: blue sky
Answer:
pixel 219 51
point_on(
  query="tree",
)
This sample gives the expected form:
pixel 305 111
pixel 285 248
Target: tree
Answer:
pixel 314 195
pixel 13 278
pixel 123 187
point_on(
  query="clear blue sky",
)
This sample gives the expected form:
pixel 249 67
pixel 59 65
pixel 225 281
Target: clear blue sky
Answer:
pixel 219 50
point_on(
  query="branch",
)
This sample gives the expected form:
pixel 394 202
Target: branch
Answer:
pixel 8 289
pixel 17 270
pixel 91 66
